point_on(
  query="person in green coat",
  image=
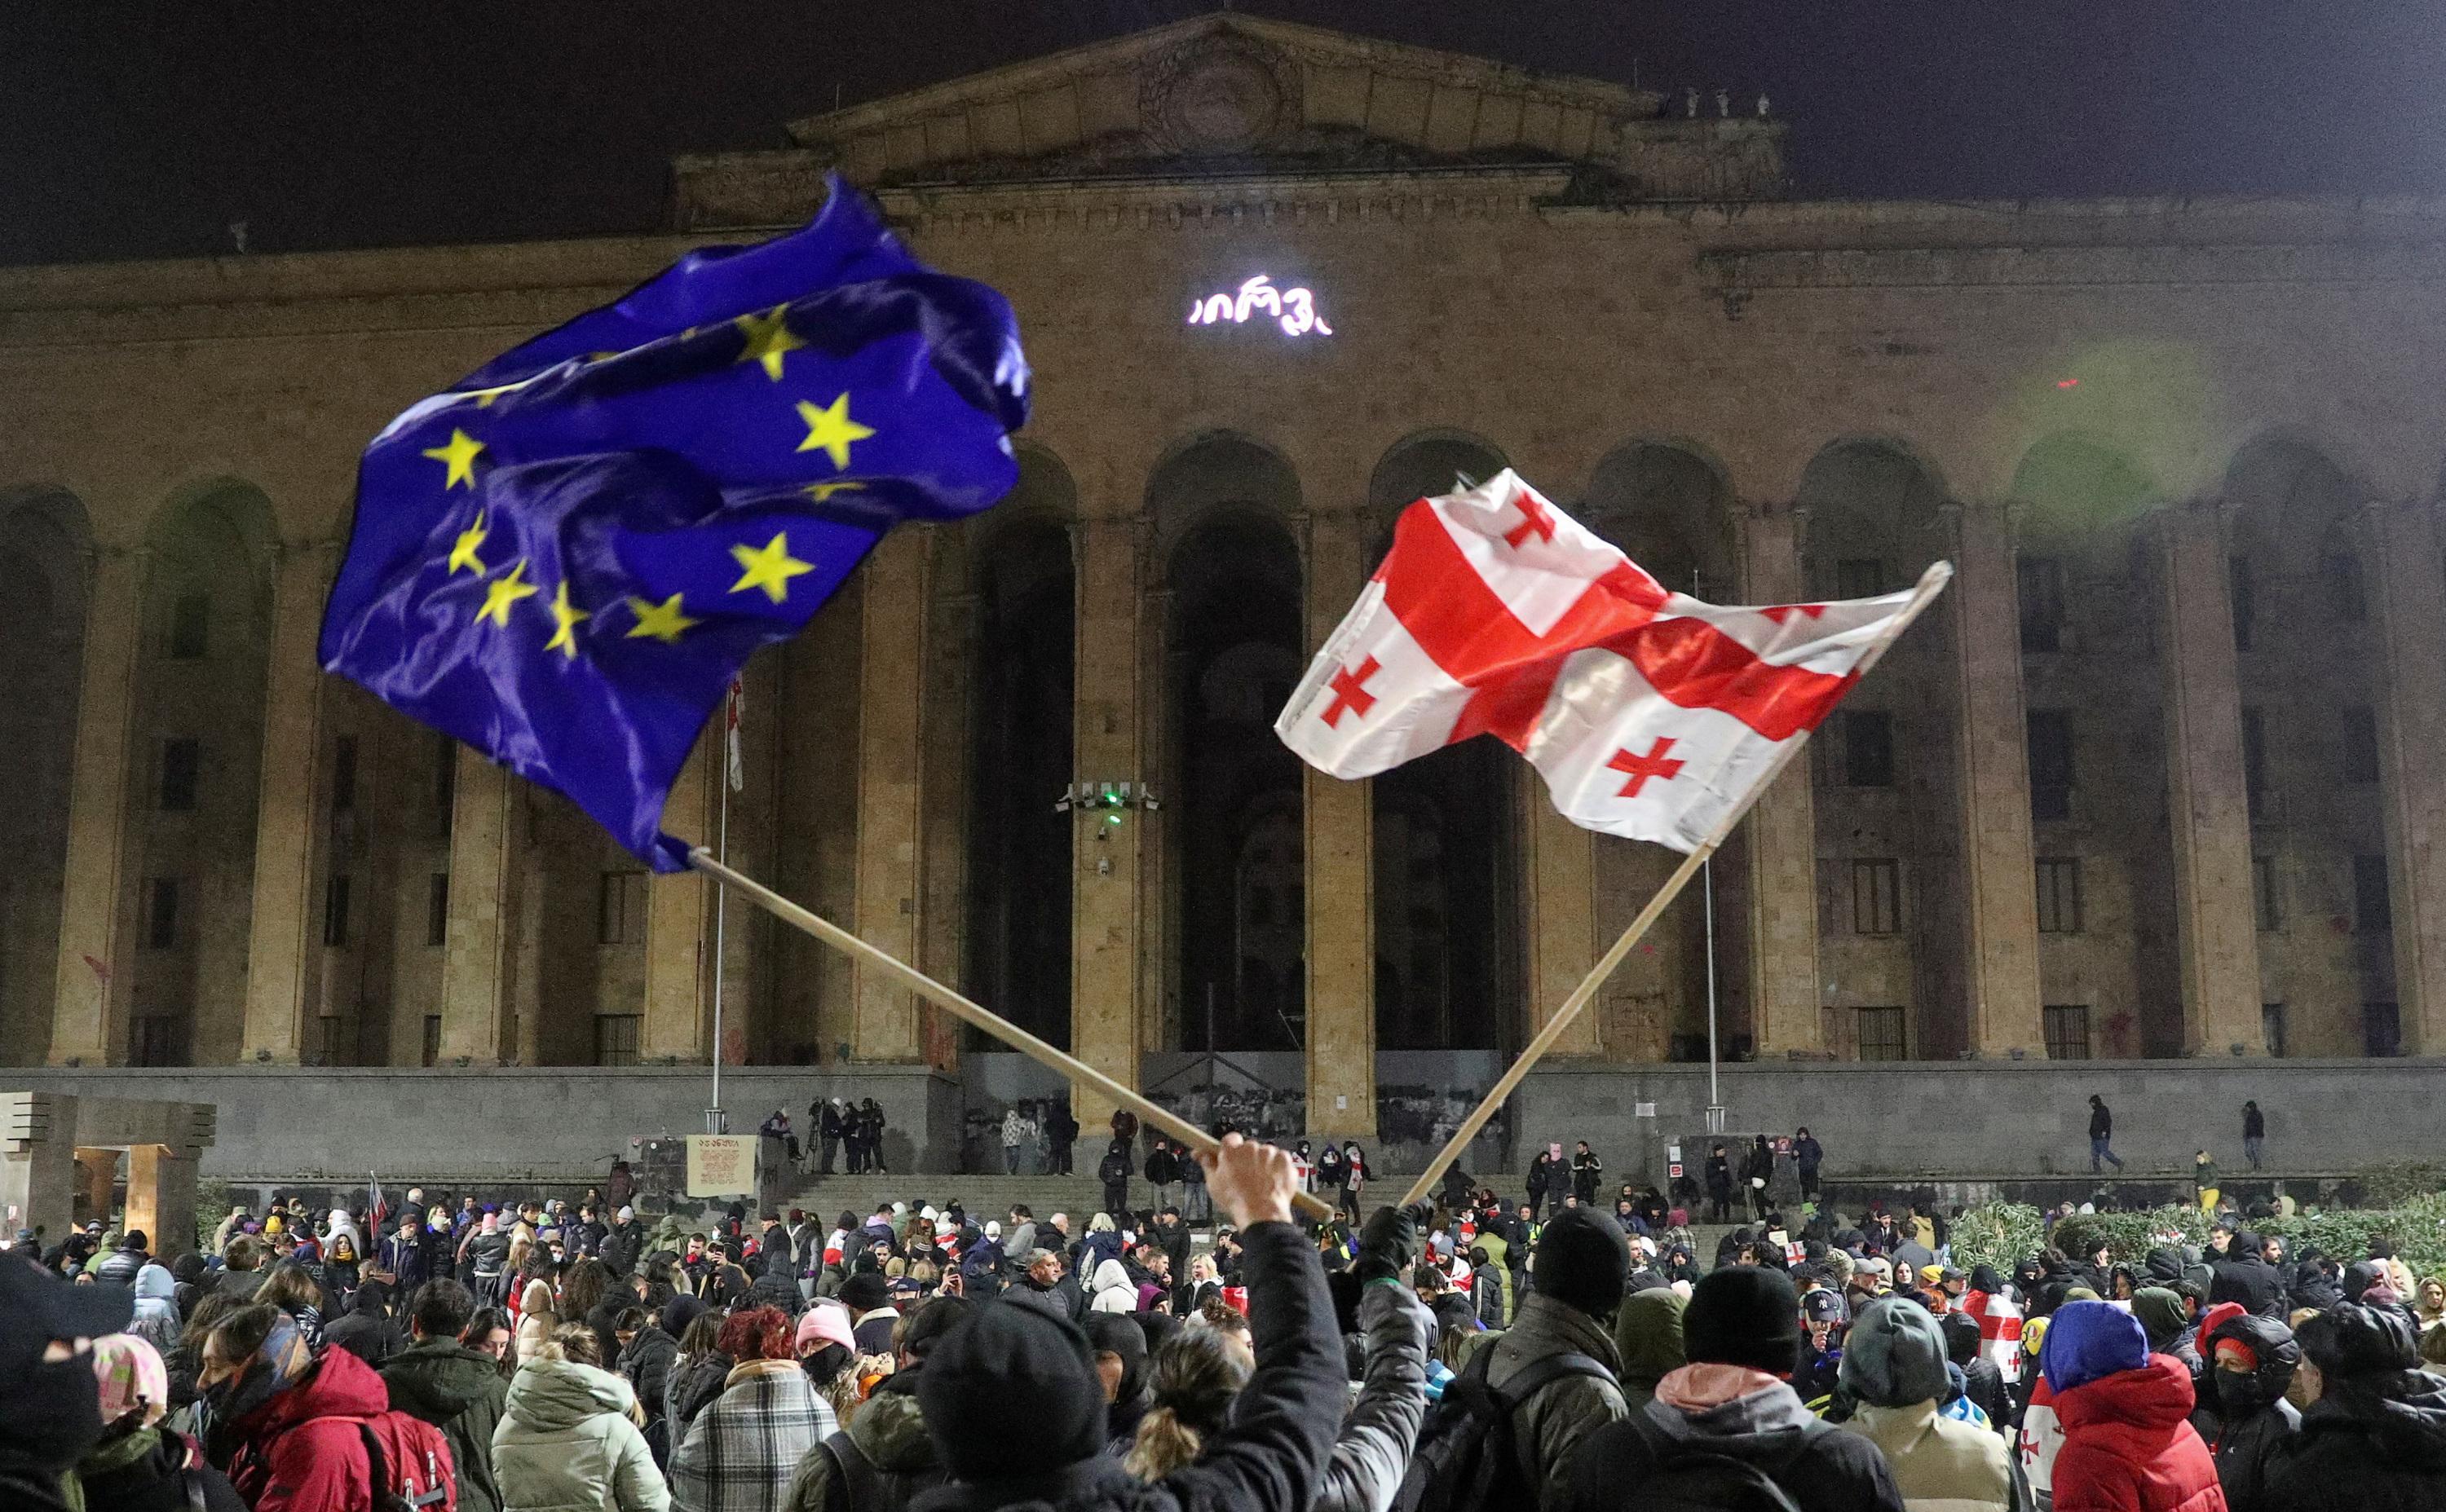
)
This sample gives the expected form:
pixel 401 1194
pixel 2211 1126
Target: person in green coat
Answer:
pixel 568 1437
pixel 457 1390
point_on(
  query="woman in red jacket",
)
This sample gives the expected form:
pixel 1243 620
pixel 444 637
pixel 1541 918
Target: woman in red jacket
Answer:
pixel 2128 1445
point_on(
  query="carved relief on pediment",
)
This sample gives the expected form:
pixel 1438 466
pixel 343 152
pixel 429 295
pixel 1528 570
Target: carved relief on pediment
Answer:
pixel 1221 93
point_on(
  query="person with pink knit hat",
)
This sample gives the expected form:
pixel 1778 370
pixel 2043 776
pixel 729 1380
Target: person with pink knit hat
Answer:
pixel 139 1465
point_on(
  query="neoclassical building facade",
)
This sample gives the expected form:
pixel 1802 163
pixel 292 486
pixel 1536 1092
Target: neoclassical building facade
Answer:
pixel 2163 776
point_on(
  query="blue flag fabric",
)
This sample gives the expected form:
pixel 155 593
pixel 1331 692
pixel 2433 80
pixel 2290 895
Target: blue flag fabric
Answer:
pixel 563 560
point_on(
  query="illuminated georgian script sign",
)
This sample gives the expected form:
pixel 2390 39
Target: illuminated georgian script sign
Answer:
pixel 1293 309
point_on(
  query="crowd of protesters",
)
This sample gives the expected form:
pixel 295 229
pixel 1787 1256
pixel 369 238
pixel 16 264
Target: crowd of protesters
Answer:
pixel 1479 1352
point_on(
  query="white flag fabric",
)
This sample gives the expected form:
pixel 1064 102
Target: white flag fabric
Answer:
pixel 730 709
pixel 1650 713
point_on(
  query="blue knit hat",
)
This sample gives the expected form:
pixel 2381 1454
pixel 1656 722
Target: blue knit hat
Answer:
pixel 2086 1340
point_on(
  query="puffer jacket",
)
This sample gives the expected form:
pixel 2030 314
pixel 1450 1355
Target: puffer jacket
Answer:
pixel 646 1363
pixel 565 1443
pixel 1941 1464
pixel 2247 1424
pixel 2127 1447
pixel 1374 1448
pixel 459 1392
pixel 690 1385
pixel 1550 1424
pixel 2376 1439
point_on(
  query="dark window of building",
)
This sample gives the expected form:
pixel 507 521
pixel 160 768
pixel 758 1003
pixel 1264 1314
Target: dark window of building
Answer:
pixel 2067 1030
pixel 2264 899
pixel 161 914
pixel 620 910
pixel 437 909
pixel 2238 585
pixel 2360 729
pixel 2041 585
pixel 1859 577
pixel 616 1038
pixel 445 778
pixel 2381 1029
pixel 2059 895
pixel 335 909
pixel 182 760
pixel 2254 756
pixel 1869 748
pixel 2341 571
pixel 1885 1034
pixel 156 1039
pixel 328 1040
pixel 191 618
pixel 2372 911
pixel 1876 897
pixel 2272 1027
pixel 344 773
pixel 432 1052
pixel 2051 767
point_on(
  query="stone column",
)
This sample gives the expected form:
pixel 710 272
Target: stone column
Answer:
pixel 1107 861
pixel 1781 832
pixel 1999 872
pixel 2206 797
pixel 487 861
pixel 290 834
pixel 1339 849
pixel 2411 762
pixel 96 1178
pixel 891 794
pixel 38 1166
pixel 90 1012
pixel 1558 904
pixel 679 917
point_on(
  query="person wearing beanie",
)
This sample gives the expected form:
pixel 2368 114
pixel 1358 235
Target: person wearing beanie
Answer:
pixel 139 1465
pixel 1013 1400
pixel 2127 1445
pixel 1582 1263
pixel 884 1457
pixel 1982 1382
pixel 2373 1436
pixel 2243 1415
pixel 1733 1401
pixel 1894 1369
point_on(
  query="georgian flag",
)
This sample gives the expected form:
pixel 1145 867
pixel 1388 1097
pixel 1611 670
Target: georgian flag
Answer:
pixel 1649 714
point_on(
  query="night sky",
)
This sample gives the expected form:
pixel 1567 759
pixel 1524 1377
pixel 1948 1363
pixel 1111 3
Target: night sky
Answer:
pixel 341 124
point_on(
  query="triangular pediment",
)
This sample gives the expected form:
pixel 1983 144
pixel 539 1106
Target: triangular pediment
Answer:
pixel 1220 93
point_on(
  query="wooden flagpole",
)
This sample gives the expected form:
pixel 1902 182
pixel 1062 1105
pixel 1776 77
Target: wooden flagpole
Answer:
pixel 969 1012
pixel 1930 583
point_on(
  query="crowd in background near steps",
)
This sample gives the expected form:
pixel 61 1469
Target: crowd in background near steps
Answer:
pixel 1556 1351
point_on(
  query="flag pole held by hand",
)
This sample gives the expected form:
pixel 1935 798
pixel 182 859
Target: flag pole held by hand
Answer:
pixel 969 1012
pixel 1931 583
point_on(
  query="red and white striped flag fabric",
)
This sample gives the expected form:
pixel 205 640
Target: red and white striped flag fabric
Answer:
pixel 1649 714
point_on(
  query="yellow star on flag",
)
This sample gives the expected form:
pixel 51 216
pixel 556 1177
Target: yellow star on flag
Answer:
pixel 663 621
pixel 769 569
pixel 462 556
pixel 565 616
pixel 821 492
pixel 830 430
pixel 458 456
pixel 768 338
pixel 504 591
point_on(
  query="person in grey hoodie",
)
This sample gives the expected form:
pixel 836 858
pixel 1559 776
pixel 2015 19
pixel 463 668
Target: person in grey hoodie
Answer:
pixel 1893 1369
pixel 568 1437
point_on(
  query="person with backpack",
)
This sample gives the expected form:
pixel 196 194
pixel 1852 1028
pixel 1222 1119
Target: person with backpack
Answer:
pixel 1727 1431
pixel 457 1390
pixel 1894 1369
pixel 884 1459
pixel 316 1435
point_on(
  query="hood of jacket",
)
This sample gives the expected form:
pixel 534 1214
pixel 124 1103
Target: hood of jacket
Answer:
pixel 550 1396
pixel 1111 1275
pixel 2086 1342
pixel 1726 1404
pixel 890 1429
pixel 2238 1394
pixel 154 1283
pixel 2402 1413
pixel 1647 1334
pixel 438 1381
pixel 2155 1396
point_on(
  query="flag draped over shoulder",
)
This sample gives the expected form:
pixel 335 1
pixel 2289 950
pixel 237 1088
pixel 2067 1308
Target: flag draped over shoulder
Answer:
pixel 564 560
pixel 1649 714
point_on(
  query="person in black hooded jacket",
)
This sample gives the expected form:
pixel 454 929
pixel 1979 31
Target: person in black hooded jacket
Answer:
pixel 2313 1287
pixel 2243 1276
pixel 2374 1437
pixel 1010 1397
pixel 2243 1417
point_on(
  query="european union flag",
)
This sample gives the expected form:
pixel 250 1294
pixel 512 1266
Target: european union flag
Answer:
pixel 563 560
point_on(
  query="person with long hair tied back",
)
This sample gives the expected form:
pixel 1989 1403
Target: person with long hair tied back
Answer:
pixel 1197 1374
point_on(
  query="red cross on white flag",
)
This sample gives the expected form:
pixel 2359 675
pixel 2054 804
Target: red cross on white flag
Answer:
pixel 1650 713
